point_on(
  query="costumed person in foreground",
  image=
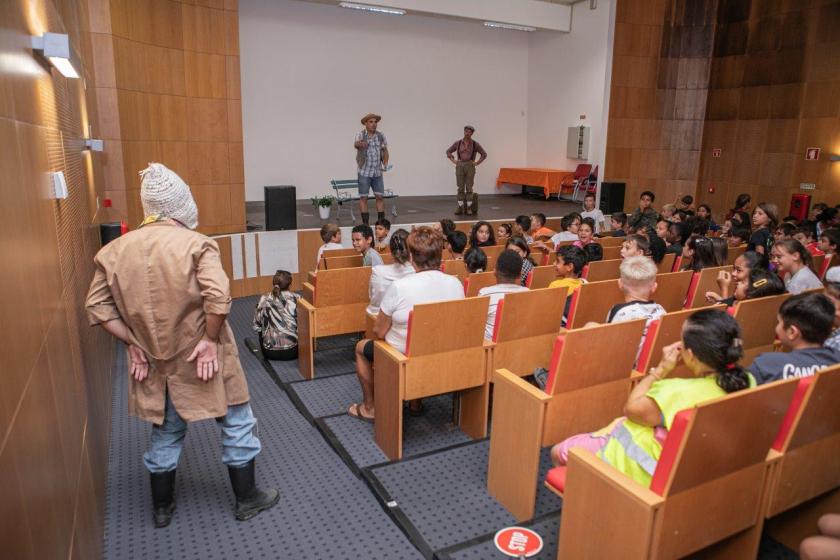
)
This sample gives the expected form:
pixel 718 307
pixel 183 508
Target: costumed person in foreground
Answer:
pixel 162 291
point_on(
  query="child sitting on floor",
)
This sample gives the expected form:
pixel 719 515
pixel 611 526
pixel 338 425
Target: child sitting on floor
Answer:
pixel 794 262
pixel 508 266
pixel 711 348
pixel 638 282
pixel 331 236
pixel 805 322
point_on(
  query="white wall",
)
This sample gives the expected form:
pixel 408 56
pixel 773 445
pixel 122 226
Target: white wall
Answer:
pixel 311 71
pixel 567 77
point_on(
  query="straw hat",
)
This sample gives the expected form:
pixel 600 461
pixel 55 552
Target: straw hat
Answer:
pixel 369 116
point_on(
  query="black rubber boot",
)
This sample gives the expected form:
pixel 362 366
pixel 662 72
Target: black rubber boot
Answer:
pixel 250 500
pixel 366 218
pixel 163 490
pixel 380 215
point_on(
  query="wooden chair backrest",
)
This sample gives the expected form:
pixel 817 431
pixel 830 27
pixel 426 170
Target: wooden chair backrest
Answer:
pixel 610 241
pixel 532 313
pixel 662 332
pixel 671 288
pixel 733 253
pixel 603 270
pixel 493 251
pixel 542 276
pixel 592 301
pixel 474 282
pixel 757 318
pixel 667 264
pixel 721 437
pixel 339 253
pixel 817 262
pixel 540 256
pixel 455 268
pixel 463 327
pixel 612 252
pixel 816 416
pixel 586 357
pixel 342 286
pixel 835 261
pixel 702 282
pixel 349 261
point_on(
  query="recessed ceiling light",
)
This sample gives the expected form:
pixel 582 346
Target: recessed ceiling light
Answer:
pixel 369 8
pixel 509 26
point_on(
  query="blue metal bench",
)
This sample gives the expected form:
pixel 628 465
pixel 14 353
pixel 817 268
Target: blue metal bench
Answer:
pixel 347 191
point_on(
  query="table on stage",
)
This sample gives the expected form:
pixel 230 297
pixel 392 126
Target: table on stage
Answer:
pixel 548 179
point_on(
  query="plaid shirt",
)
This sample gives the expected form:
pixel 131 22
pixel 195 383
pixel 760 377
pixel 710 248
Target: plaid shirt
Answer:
pixel 373 162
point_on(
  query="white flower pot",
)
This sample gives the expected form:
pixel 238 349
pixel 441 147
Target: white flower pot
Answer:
pixel 324 212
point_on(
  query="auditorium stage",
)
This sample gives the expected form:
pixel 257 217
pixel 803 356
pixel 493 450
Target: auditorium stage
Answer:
pixel 414 209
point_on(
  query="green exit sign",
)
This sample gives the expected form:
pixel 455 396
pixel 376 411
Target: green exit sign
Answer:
pixel 807 186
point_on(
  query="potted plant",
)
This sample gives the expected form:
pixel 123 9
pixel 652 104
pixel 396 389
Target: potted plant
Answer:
pixel 323 204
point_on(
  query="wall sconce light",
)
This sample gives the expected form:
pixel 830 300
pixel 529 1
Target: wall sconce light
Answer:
pixel 56 48
pixel 94 145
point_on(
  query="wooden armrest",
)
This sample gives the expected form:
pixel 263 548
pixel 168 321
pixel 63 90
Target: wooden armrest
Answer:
pixel 506 377
pixel 307 306
pixel 617 480
pixel 488 344
pixel 390 352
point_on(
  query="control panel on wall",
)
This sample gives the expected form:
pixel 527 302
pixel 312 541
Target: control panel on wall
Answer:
pixel 577 143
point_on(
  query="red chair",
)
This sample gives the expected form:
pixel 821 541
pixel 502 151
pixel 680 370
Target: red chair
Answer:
pixel 580 178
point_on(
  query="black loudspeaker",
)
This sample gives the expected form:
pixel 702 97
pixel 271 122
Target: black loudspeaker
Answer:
pixel 109 231
pixel 280 211
pixel 612 197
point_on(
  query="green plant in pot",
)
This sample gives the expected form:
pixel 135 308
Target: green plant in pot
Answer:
pixel 323 204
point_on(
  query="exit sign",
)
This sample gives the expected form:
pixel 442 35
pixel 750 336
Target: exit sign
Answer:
pixel 716 152
pixel 807 186
pixel 812 154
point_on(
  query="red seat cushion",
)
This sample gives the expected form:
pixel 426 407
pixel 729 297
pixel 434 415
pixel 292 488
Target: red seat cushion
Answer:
pixel 556 478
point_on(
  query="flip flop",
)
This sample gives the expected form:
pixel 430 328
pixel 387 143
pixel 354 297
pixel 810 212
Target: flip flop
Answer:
pixel 356 412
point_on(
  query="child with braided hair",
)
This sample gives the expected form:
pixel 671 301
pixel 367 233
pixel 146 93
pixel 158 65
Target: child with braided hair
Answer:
pixel 711 348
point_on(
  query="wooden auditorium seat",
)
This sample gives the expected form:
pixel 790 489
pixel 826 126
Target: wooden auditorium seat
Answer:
pixel 347 261
pixel 611 252
pixel 702 282
pixel 817 262
pixel 602 270
pixel 541 277
pixel 335 304
pixel 804 481
pixel 707 492
pixel 455 268
pixel 610 241
pixel 474 282
pixel 588 384
pixel 667 264
pixel 733 253
pixel 445 352
pixel 493 251
pixel 592 301
pixel 757 318
pixel 828 263
pixel 527 323
pixel 541 257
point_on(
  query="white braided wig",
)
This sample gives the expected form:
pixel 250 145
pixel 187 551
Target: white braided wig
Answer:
pixel 164 193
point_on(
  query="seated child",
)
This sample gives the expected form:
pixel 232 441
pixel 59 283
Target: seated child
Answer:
pixel 589 211
pixel 475 260
pixel 508 266
pixel 704 212
pixel 806 237
pixel 644 215
pixel 538 229
pixel 275 320
pixel 805 322
pixel 586 232
pixel 362 236
pixel 710 348
pixel 638 282
pixel 669 213
pixel 832 292
pixel 829 241
pixel 761 283
pixel 662 227
pixel 738 236
pixel 522 249
pixel 569 225
pixel 703 253
pixel 382 233
pixel 635 245
pixel 447 226
pixel 503 232
pixel 794 262
pixel 382 276
pixel 522 228
pixel 618 221
pixel 784 231
pixel 685 204
pixel 593 252
pixel 568 268
pixel 674 238
pixel 456 242
pixel 331 236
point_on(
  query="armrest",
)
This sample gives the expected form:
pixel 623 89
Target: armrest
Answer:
pixel 503 377
pixel 308 292
pixel 388 352
pixel 306 305
pixel 580 459
pixel 488 344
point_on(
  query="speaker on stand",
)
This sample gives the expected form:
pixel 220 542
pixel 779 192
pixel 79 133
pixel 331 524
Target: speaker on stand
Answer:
pixel 612 197
pixel 280 210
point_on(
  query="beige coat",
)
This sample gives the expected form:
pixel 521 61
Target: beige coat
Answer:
pixel 161 280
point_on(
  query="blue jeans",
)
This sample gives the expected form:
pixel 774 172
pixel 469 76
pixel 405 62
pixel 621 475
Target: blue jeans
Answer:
pixel 376 183
pixel 238 439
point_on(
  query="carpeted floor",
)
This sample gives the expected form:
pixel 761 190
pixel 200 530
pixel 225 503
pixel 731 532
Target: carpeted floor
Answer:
pixel 340 497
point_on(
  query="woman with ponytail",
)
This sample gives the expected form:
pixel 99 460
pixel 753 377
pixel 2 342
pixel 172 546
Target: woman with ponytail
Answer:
pixel 710 348
pixel 383 275
pixel 275 319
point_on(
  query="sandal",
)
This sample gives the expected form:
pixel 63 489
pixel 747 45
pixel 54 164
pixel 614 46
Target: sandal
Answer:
pixel 356 412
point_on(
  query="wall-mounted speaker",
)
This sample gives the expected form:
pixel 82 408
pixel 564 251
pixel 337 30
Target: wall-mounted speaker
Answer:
pixel 280 210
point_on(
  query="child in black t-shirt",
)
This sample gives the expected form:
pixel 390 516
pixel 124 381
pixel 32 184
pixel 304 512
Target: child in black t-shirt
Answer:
pixel 765 218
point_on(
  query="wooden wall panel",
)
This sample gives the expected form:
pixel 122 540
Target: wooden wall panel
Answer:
pixel 175 68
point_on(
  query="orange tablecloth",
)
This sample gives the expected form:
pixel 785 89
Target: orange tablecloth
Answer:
pixel 548 179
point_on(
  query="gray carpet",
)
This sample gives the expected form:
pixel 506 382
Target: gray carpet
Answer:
pixel 485 549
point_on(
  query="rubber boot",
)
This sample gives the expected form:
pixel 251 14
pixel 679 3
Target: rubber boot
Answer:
pixel 366 218
pixel 380 216
pixel 163 490
pixel 469 202
pixel 461 203
pixel 250 500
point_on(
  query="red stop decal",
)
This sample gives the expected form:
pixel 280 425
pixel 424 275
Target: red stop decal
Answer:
pixel 518 542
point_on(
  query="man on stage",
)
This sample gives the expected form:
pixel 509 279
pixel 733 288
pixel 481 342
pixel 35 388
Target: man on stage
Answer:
pixel 161 289
pixel 372 160
pixel 465 164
